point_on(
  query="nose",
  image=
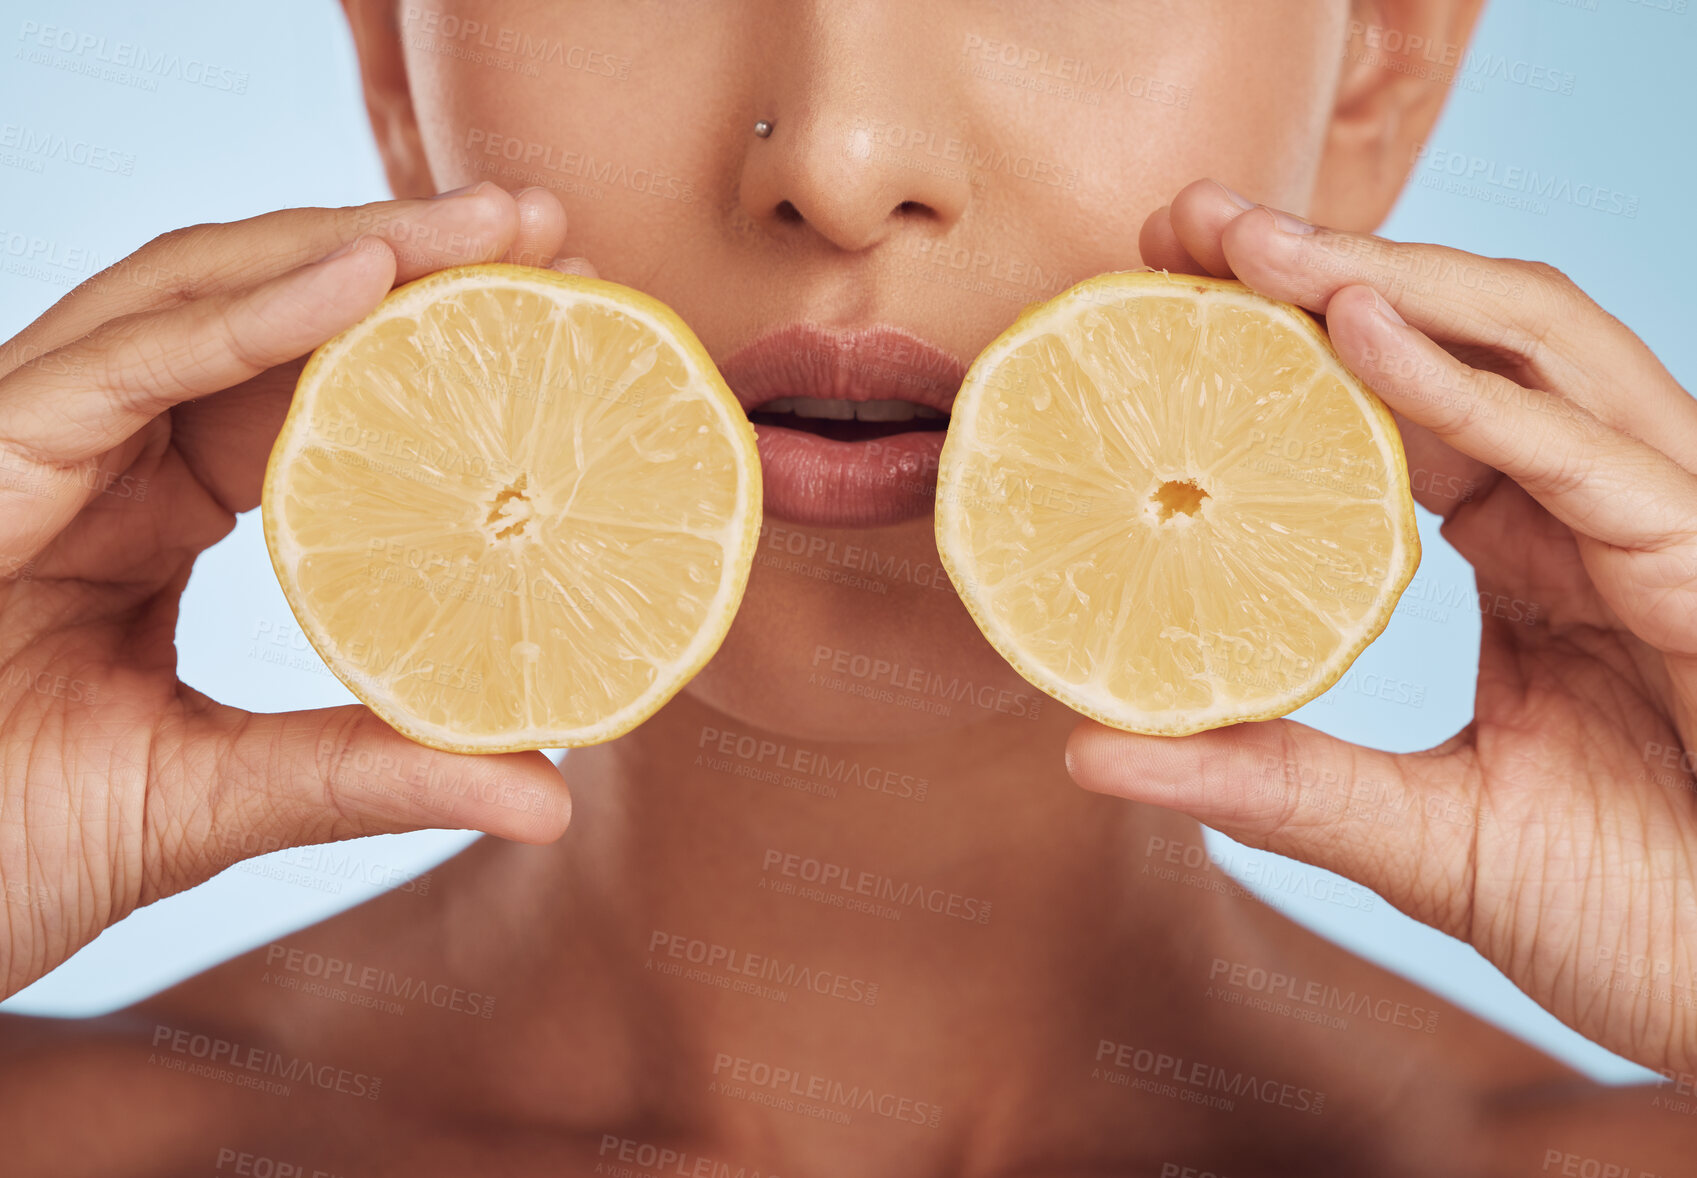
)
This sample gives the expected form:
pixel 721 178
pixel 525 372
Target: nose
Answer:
pixel 861 128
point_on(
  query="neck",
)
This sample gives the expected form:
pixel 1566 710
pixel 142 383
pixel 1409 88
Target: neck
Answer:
pixel 743 895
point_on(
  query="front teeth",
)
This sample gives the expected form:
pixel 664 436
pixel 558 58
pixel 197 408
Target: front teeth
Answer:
pixel 837 410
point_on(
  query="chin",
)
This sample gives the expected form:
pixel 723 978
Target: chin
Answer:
pixel 857 635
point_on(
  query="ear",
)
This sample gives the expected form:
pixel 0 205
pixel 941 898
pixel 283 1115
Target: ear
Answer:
pixel 1401 60
pixel 376 29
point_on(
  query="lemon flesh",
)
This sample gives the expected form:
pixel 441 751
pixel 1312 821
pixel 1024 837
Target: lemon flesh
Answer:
pixel 1169 505
pixel 513 509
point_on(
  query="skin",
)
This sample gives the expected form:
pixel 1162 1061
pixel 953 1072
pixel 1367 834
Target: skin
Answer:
pixel 176 366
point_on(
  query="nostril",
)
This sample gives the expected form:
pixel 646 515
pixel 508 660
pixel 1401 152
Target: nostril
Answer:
pixel 788 212
pixel 913 208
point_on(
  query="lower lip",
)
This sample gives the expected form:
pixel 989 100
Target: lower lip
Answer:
pixel 815 481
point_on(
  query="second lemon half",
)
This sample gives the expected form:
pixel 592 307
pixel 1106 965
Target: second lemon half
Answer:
pixel 1167 503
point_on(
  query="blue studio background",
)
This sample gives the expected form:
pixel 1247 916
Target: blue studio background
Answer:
pixel 1594 95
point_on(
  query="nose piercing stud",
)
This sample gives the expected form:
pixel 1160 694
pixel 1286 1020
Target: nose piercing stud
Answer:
pixel 763 129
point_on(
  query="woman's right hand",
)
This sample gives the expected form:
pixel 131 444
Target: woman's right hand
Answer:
pixel 136 417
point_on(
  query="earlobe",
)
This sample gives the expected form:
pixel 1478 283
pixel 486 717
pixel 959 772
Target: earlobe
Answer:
pixel 1401 60
pixel 376 29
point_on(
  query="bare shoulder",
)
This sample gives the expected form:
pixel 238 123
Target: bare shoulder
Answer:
pixel 103 1096
pixel 251 1067
pixel 152 1091
pixel 159 1089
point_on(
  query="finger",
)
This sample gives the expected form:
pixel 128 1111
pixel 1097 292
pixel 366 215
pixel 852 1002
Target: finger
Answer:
pixel 1442 478
pixel 1595 479
pixel 1159 247
pixel 134 369
pixel 225 439
pixel 541 228
pixel 1521 319
pixel 478 224
pixel 230 783
pixel 1200 214
pixel 1402 825
pixel 1446 292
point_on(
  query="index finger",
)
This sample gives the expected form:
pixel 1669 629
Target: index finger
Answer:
pixel 129 371
pixel 480 223
pixel 1522 320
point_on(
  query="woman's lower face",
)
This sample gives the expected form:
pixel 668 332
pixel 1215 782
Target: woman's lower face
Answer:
pixel 929 168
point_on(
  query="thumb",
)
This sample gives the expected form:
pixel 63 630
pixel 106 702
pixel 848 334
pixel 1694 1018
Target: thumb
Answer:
pixel 240 784
pixel 1404 825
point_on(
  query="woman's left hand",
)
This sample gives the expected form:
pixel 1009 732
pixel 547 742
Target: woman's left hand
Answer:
pixel 1556 833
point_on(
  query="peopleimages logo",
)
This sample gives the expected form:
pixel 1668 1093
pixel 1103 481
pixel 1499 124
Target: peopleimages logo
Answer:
pixel 901 677
pixel 840 877
pixel 711 955
pixel 1421 56
pixel 1464 169
pixel 1068 71
pixel 663 1159
pixel 854 558
pixel 1574 1165
pixel 1205 1083
pixel 48 145
pixel 832 1095
pixel 762 752
pixel 335 976
pixel 579 165
pixel 868 135
pixel 122 61
pixel 257 1165
pixel 1274 985
pixel 42 251
pixel 446 33
pixel 247 1066
pixel 1267 872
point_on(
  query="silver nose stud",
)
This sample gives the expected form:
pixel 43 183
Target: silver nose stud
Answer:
pixel 763 128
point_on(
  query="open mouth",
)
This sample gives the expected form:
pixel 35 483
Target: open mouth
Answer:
pixel 849 421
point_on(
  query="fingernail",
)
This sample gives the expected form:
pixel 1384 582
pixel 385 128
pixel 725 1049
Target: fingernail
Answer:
pixel 463 190
pixel 1237 198
pixel 523 192
pixel 1289 223
pixel 578 266
pixel 1389 312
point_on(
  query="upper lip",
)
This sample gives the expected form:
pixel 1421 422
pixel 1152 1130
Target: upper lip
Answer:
pixel 864 364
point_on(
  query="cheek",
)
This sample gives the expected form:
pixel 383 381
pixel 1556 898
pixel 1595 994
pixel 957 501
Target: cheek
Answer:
pixel 1264 105
pixel 1248 102
pixel 595 103
pixel 849 632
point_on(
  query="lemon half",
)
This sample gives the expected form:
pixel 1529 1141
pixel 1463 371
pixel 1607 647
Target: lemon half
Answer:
pixel 513 509
pixel 1169 505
